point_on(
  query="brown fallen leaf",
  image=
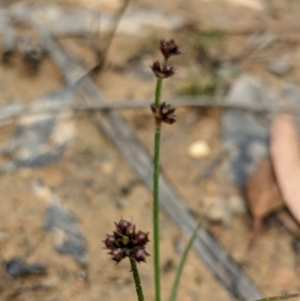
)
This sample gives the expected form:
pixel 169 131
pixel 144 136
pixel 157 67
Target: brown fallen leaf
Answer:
pixel 263 195
pixel 285 154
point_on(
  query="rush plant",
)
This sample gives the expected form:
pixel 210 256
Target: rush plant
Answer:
pixel 125 241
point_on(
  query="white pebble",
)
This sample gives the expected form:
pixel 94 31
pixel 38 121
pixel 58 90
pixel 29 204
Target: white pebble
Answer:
pixel 199 149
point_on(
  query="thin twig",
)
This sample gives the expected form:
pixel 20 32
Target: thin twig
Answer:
pixel 101 62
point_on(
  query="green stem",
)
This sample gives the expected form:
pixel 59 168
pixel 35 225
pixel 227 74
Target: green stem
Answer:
pixel 158 91
pixel 156 215
pixel 137 280
pixel 156 198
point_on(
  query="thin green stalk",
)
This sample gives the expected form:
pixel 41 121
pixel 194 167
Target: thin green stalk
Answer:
pixel 156 214
pixel 137 280
pixel 182 263
pixel 275 298
pixel 156 198
pixel 158 91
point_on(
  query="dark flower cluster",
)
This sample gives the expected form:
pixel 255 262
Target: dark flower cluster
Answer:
pixel 162 70
pixel 126 242
pixel 169 48
pixel 163 113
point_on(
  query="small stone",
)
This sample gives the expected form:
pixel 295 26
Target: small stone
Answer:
pixel 17 268
pixel 237 204
pixel 242 133
pixel 82 277
pixel 279 66
pixel 69 238
pixel 179 245
pixel 219 212
pixel 199 149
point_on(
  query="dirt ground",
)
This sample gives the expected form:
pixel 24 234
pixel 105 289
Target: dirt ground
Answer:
pixel 93 181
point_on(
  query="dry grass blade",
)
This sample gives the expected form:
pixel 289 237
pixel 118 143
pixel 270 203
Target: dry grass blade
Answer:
pixel 285 154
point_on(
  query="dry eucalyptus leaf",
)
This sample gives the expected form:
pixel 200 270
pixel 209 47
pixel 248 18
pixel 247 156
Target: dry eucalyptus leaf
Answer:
pixel 262 191
pixel 285 153
pixel 263 195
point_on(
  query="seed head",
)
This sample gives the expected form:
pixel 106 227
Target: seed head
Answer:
pixel 141 238
pixel 125 242
pixel 162 70
pixel 117 254
pixel 169 48
pixel 140 254
pixel 163 113
pixel 109 242
pixel 122 226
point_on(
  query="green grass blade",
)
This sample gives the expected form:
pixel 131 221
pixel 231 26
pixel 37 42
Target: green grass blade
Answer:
pixel 281 297
pixel 182 262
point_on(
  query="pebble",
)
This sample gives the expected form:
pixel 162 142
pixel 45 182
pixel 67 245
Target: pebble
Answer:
pixel 179 245
pixel 82 277
pixel 243 133
pixel 219 212
pixel 279 66
pixel 199 149
pixel 70 239
pixel 17 268
pixel 237 204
